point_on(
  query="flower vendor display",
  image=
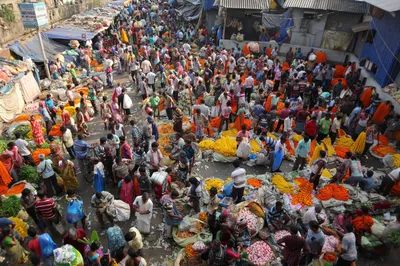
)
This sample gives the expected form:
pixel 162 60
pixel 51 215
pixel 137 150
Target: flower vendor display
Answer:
pixel 255 147
pixel 254 182
pixel 256 209
pixel 333 191
pixel 363 223
pixel 15 190
pixel 280 234
pixel 260 253
pixel 297 137
pixel 316 155
pixel 203 217
pixel 282 185
pixel 199 246
pixel 213 182
pixel 344 142
pixel 230 133
pixel 383 150
pixel 341 151
pixel 382 139
pixel 20 226
pixel 359 145
pixel 5 178
pixel 396 160
pixel 190 252
pixel 207 144
pixel 226 146
pixel 165 129
pixel 326 173
pixel 330 150
pixel 36 153
pixel 251 219
pixel 303 196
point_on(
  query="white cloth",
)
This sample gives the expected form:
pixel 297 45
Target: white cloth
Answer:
pixel 151 77
pixel 143 220
pixel 394 175
pixel 287 124
pixel 99 166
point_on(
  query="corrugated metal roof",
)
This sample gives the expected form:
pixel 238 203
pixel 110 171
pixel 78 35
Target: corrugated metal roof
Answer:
pixel 350 6
pixel 245 4
pixel 387 5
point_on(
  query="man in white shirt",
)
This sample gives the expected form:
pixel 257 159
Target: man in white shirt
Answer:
pixel 205 110
pixel 287 124
pixel 389 181
pixel 239 182
pixel 224 99
pixel 68 141
pixel 335 128
pixel 153 158
pixel 231 65
pixel 151 77
pixel 23 149
pixel 146 66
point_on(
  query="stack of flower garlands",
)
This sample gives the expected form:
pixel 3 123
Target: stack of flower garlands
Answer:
pixel 282 185
pixel 363 223
pixel 303 196
pixel 226 146
pixel 359 145
pixel 333 191
pixel 5 179
pixel 214 182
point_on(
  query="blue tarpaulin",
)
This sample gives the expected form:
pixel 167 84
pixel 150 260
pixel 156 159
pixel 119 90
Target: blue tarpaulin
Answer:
pixel 32 49
pixel 67 34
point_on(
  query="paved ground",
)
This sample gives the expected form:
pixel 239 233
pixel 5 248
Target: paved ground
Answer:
pixel 158 251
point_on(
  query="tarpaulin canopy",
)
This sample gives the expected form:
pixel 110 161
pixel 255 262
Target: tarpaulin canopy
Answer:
pixel 32 49
pixel 190 9
pixel 69 34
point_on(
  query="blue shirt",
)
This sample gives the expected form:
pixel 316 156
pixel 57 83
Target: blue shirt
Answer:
pixel 81 148
pixel 4 222
pixel 303 148
pixel 45 114
pixel 189 151
pixel 355 113
pixel 258 109
pixel 367 184
pixel 49 104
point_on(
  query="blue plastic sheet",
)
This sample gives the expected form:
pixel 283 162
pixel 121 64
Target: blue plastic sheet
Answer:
pixel 67 34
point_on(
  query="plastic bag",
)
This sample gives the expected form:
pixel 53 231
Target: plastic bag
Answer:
pixel 159 177
pixel 183 242
pixel 218 157
pixel 67 255
pixel 59 227
pixel 262 159
pixel 243 150
pixel 123 211
pixel 189 224
pixel 74 211
pixel 47 245
pixel 227 190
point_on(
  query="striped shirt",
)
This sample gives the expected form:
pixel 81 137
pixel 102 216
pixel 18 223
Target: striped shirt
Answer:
pixel 46 208
pixel 270 142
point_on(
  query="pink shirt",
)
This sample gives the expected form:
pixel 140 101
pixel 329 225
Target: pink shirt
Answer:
pixel 249 82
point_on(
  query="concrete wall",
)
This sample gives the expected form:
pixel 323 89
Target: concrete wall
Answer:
pixel 57 11
pixel 311 36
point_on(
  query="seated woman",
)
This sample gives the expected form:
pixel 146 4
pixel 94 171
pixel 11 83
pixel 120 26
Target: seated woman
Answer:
pixel 342 220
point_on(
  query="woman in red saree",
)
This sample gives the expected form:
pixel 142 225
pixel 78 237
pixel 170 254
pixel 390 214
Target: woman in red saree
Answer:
pixel 126 191
pixel 36 131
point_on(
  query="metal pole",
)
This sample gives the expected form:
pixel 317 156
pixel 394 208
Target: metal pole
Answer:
pixel 46 65
pixel 226 15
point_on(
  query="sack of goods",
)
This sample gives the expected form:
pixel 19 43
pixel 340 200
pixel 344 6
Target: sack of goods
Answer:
pixel 159 177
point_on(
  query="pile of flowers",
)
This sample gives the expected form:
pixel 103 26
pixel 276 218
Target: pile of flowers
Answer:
pixel 230 133
pixel 254 182
pixel 226 146
pixel 203 217
pixel 254 146
pixel 344 142
pixel 383 150
pixel 305 189
pixel 20 226
pixel 251 219
pixel 281 184
pixel 260 253
pixel 207 145
pixel 190 252
pixel 330 244
pixel 214 182
pixel 165 129
pixel 333 191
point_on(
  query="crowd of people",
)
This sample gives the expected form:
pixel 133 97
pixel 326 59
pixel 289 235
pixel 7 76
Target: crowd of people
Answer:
pixel 175 69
